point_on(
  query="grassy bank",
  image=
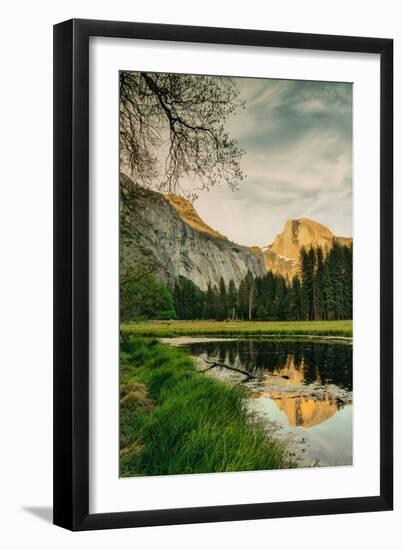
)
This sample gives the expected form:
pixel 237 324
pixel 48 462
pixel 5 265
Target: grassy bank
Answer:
pixel 189 328
pixel 175 420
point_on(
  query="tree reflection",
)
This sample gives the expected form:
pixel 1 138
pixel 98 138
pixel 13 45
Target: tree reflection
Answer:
pixel 327 363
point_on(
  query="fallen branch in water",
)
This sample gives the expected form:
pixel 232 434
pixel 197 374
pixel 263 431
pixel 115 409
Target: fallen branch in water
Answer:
pixel 223 365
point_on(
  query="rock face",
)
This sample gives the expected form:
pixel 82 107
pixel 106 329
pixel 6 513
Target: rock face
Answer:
pixel 189 215
pixel 164 234
pixel 301 232
pixel 279 264
pixel 282 255
pixel 168 237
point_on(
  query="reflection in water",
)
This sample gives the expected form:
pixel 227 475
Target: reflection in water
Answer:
pixel 327 363
pixel 302 411
pixel 302 388
pixel 304 404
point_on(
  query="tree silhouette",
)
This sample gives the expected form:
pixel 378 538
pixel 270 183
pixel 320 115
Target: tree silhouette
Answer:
pixel 181 118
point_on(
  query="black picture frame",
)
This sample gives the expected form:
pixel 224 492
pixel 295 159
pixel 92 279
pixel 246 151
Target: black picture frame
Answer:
pixel 71 274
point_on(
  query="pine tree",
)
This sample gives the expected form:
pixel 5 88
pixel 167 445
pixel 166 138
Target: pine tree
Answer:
pixel 328 291
pixel 313 301
pixel 335 262
pixel 306 274
pixel 348 282
pixel 209 307
pixel 222 301
pixel 294 300
pixel 250 296
pixel 319 276
pixel 231 300
pixel 280 302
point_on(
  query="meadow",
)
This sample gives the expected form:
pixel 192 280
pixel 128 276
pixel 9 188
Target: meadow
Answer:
pixel 173 328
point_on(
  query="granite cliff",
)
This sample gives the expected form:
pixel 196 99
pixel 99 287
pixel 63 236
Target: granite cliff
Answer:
pixel 164 234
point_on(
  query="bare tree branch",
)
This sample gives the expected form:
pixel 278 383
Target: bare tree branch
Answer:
pixel 224 366
pixel 183 116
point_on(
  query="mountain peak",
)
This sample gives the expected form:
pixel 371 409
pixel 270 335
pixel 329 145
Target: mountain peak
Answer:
pixel 301 232
pixel 312 225
pixel 282 256
pixel 188 214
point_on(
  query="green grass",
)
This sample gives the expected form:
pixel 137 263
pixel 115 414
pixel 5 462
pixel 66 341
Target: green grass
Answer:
pixel 188 328
pixel 175 420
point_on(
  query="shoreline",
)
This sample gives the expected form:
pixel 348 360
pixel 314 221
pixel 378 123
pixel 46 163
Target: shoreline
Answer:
pixel 175 420
pixel 182 340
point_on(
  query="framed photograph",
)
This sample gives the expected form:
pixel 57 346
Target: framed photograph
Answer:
pixel 222 213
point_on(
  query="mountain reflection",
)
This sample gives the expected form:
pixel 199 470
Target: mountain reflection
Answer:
pixel 304 379
pixel 304 411
pixel 307 362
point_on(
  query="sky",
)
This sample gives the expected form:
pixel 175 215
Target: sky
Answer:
pixel 298 163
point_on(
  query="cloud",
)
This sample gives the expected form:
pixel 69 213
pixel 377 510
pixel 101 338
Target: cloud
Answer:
pixel 313 106
pixel 298 141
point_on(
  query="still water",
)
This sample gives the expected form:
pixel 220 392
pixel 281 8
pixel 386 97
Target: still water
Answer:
pixel 301 389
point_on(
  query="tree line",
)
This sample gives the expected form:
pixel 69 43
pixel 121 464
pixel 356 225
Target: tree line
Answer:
pixel 322 290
